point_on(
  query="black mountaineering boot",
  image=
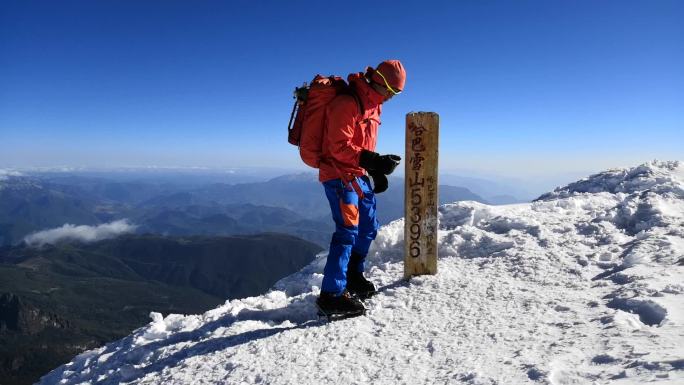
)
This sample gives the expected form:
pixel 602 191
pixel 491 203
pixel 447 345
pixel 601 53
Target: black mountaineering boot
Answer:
pixel 343 305
pixel 357 284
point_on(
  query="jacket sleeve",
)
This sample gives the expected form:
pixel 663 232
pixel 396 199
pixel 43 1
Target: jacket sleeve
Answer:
pixel 341 126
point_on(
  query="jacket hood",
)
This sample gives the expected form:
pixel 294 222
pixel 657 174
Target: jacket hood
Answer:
pixel 370 98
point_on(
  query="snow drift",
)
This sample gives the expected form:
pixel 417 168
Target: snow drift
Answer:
pixel 584 285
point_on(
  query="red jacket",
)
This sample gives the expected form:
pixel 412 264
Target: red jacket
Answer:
pixel 348 130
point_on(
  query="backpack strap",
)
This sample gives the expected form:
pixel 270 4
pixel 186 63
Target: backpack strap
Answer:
pixel 355 95
pixel 358 101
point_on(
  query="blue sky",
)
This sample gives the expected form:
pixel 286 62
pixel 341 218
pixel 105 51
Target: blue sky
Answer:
pixel 522 87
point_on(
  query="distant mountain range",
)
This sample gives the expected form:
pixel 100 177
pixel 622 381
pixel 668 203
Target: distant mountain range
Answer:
pixel 302 195
pixel 30 204
pixel 292 204
pixel 61 299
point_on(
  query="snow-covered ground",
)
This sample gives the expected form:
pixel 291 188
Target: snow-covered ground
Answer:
pixel 583 286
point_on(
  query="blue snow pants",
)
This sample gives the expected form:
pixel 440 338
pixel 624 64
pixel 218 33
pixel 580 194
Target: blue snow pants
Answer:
pixel 356 226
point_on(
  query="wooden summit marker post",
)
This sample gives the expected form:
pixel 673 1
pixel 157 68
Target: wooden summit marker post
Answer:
pixel 420 194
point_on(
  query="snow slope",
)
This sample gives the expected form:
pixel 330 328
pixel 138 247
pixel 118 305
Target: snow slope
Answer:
pixel 583 286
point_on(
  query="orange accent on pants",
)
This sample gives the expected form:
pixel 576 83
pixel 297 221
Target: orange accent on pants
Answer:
pixel 350 213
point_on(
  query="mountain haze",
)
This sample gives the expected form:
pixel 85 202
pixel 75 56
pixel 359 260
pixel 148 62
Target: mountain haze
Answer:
pixel 293 204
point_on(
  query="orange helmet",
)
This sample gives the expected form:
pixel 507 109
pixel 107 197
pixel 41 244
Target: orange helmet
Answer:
pixel 390 73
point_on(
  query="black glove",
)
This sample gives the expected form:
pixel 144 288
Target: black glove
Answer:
pixel 376 163
pixel 380 183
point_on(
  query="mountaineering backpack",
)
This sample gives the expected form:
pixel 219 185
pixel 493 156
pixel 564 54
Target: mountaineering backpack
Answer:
pixel 309 115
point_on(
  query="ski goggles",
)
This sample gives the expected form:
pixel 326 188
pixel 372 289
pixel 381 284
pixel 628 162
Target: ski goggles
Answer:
pixel 389 88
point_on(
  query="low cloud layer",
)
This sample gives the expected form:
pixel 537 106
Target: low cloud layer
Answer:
pixel 4 174
pixel 80 233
